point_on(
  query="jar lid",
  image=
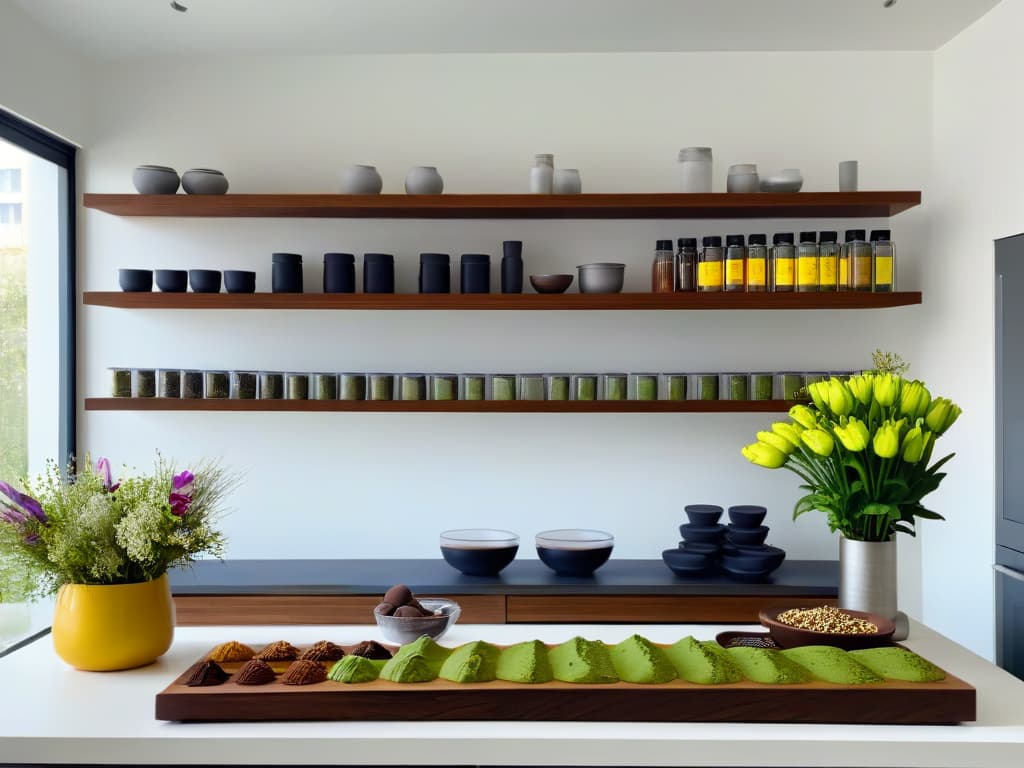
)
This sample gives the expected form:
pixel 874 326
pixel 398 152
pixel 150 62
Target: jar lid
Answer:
pixel 713 242
pixel 695 153
pixel 476 258
pixel 287 258
pixel 854 234
pixel 828 236
pixel 734 240
pixel 808 237
pixel 339 258
pixel 758 239
pixel 664 245
pixel 782 238
pixel 378 258
pixel 879 234
pixel 687 242
pixel 435 258
pixel 546 159
pixel 742 168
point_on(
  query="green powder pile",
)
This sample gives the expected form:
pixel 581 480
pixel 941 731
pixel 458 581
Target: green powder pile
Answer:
pixel 833 665
pixel 525 663
pixel 703 663
pixel 899 664
pixel 582 661
pixel 474 662
pixel 354 669
pixel 637 660
pixel 418 662
pixel 766 666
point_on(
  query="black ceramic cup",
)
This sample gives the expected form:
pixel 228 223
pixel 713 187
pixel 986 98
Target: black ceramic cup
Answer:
pixel 286 273
pixel 239 281
pixel 339 273
pixel 512 266
pixel 135 280
pixel 204 280
pixel 435 273
pixel 378 273
pixel 172 280
pixel 475 273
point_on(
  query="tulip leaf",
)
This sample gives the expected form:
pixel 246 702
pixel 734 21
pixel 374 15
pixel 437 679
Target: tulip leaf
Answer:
pixel 903 528
pixel 934 467
pixel 877 508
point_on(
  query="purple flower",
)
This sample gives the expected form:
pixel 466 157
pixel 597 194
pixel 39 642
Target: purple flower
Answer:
pixel 182 483
pixel 103 469
pixel 32 539
pixel 180 503
pixel 13 516
pixel 27 504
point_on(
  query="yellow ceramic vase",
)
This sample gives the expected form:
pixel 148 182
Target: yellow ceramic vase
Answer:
pixel 105 627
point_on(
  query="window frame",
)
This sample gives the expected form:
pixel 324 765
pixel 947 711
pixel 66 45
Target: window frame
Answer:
pixel 41 143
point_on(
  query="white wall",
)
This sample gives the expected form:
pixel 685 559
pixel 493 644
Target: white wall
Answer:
pixel 974 198
pixel 385 485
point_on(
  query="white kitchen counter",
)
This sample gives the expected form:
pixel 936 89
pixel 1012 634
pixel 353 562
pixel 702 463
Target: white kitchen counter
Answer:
pixel 50 713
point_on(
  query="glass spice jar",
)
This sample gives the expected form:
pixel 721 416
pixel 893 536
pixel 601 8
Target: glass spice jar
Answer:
pixel 645 386
pixel 761 386
pixel 790 385
pixel 381 386
pixel 503 386
pixel 474 386
pixel 735 264
pixel 807 263
pixel 324 386
pixel 584 386
pixel 168 382
pixel 271 385
pixel 216 385
pixel 686 264
pixel 706 386
pixel 676 385
pixel 757 263
pixel 444 386
pixel 531 386
pixel 615 386
pixel 296 386
pixel 663 271
pixel 412 386
pixel 143 382
pixel 735 386
pixel 558 386
pixel 243 385
pixel 884 256
pixel 120 382
pixel 192 385
pixel 858 255
pixel 709 266
pixel 783 263
pixel 828 261
pixel 352 386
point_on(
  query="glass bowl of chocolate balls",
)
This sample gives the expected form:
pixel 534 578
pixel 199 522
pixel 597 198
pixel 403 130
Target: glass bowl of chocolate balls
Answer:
pixel 402 617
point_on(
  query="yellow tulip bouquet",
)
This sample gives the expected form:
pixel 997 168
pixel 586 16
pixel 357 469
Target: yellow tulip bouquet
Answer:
pixel 862 447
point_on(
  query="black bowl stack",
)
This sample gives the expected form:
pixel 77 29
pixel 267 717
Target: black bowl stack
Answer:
pixel 701 546
pixel 744 555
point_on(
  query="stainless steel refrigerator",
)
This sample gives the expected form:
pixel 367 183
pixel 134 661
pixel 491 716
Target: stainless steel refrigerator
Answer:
pixel 1009 555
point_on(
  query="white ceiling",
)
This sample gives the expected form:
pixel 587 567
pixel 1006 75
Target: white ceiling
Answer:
pixel 137 28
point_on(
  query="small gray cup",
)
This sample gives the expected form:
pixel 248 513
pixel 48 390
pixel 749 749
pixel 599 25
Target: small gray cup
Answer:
pixel 848 176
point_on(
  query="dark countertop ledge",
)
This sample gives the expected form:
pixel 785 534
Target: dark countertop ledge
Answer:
pixel 522 577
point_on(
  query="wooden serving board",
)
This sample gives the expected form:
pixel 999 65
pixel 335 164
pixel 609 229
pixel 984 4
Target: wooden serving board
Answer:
pixel 893 702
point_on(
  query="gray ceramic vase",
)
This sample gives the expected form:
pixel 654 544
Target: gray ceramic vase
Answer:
pixel 204 181
pixel 360 180
pixel 155 180
pixel 423 180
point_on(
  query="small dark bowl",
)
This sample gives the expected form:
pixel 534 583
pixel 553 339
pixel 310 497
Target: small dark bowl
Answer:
pixel 747 515
pixel 685 563
pixel 479 551
pixel 135 280
pixel 746 537
pixel 705 534
pixel 748 577
pixel 747 560
pixel 700 547
pixel 239 281
pixel 774 556
pixel 204 280
pixel 791 637
pixel 574 552
pixel 703 514
pixel 551 283
pixel 172 280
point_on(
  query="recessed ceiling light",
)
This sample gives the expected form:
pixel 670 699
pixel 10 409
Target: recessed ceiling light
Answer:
pixel 182 8
pixel 885 3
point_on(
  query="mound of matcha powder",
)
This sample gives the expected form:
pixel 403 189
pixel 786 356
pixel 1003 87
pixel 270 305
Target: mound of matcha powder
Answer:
pixel 703 663
pixel 474 662
pixel 765 666
pixel 417 662
pixel 637 660
pixel 833 665
pixel 524 663
pixel 354 669
pixel 898 664
pixel 582 661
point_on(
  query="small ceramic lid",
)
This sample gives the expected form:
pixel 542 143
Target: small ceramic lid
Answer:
pixel 695 153
pixel 742 168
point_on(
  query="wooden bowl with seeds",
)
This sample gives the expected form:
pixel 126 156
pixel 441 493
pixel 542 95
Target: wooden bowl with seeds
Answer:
pixel 826 625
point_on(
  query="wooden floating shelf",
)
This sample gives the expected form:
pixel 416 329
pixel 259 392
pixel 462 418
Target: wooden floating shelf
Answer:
pixel 499 301
pixel 590 206
pixel 440 406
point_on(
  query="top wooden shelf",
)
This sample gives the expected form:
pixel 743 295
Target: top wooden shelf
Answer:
pixel 591 206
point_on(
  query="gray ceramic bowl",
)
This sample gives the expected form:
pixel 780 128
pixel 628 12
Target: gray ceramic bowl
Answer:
pixel 601 277
pixel 155 180
pixel 405 630
pixel 551 283
pixel 204 181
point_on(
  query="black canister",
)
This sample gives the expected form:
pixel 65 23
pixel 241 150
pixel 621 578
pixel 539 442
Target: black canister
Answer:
pixel 378 273
pixel 339 273
pixel 512 266
pixel 286 276
pixel 435 273
pixel 476 273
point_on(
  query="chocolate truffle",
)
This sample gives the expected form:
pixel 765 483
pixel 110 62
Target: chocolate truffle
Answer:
pixel 371 649
pixel 385 609
pixel 324 650
pixel 282 650
pixel 304 672
pixel 205 673
pixel 231 651
pixel 408 612
pixel 255 672
pixel 398 595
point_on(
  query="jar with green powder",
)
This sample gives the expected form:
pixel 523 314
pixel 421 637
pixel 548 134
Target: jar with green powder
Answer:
pixel 503 386
pixel 296 386
pixel 143 382
pixel 584 386
pixel 352 386
pixel 382 386
pixel 192 384
pixel 412 386
pixel 474 386
pixel 168 382
pixel 271 385
pixel 790 385
pixel 706 386
pixel 734 385
pixel 216 385
pixel 615 386
pixel 531 386
pixel 644 386
pixel 243 385
pixel 444 386
pixel 324 386
pixel 558 386
pixel 120 382
pixel 676 385
pixel 762 386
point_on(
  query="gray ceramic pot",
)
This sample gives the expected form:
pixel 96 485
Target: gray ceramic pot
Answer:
pixel 601 277
pixel 155 180
pixel 204 181
pixel 423 180
pixel 360 180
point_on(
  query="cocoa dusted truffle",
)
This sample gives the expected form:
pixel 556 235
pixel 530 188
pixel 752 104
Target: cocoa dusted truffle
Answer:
pixel 324 650
pixel 255 672
pixel 231 651
pixel 304 673
pixel 398 595
pixel 282 650
pixel 408 612
pixel 385 609
pixel 205 673
pixel 371 649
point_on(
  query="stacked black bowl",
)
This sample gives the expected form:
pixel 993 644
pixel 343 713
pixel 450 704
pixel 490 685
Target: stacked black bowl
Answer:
pixel 702 541
pixel 744 555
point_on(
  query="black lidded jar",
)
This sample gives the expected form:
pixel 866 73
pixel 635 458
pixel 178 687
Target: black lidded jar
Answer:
pixel 339 273
pixel 475 273
pixel 512 266
pixel 378 273
pixel 435 273
pixel 286 275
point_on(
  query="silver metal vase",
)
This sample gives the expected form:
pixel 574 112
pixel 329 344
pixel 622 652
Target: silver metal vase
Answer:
pixel 867 580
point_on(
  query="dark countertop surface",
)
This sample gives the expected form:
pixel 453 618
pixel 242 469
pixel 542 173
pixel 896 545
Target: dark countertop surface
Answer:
pixel 522 577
